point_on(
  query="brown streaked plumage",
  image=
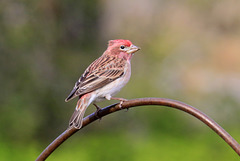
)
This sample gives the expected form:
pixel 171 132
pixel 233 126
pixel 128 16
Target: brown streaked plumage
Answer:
pixel 103 78
pixel 101 72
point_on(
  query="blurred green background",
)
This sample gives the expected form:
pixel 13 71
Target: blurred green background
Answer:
pixel 190 52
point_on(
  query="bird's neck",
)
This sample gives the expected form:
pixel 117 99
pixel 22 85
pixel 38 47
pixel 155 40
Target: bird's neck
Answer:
pixel 121 55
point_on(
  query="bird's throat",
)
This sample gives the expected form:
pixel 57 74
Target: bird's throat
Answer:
pixel 124 55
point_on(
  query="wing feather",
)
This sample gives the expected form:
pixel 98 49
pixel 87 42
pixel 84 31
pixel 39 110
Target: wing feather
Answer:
pixel 101 72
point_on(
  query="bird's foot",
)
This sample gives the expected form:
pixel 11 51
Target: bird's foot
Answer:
pixel 121 101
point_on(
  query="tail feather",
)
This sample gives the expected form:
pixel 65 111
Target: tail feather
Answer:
pixel 77 116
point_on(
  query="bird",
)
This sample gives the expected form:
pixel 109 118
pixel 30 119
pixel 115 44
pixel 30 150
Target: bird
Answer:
pixel 102 79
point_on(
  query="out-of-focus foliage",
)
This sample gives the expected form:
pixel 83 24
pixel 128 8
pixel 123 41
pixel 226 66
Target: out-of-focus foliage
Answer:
pixel 190 52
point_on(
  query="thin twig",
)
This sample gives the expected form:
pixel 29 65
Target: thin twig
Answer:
pixel 141 102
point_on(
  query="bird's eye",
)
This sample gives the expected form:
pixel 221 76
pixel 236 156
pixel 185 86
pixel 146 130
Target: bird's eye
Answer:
pixel 122 47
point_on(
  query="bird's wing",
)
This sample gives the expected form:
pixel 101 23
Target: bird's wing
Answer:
pixel 101 72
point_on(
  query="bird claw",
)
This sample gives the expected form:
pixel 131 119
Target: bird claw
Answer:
pixel 120 105
pixel 121 102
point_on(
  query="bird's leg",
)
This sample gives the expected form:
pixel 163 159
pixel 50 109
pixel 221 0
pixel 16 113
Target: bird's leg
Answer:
pixel 96 112
pixel 119 99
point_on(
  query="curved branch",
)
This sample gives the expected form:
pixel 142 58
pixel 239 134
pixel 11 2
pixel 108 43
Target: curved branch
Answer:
pixel 141 102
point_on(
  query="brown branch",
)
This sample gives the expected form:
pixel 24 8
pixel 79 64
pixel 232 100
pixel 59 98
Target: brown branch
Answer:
pixel 141 102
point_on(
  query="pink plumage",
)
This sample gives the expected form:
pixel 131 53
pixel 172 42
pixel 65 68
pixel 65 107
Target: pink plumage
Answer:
pixel 118 41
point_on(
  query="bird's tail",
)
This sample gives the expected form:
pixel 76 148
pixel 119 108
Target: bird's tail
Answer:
pixel 77 116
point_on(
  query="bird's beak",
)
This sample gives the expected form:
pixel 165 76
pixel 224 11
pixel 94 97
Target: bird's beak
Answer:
pixel 133 49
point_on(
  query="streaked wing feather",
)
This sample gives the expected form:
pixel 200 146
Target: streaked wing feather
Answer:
pixel 102 71
pixel 100 81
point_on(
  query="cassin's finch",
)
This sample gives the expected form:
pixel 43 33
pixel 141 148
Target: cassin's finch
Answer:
pixel 103 78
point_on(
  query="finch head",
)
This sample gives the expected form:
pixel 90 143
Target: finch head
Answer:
pixel 121 48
